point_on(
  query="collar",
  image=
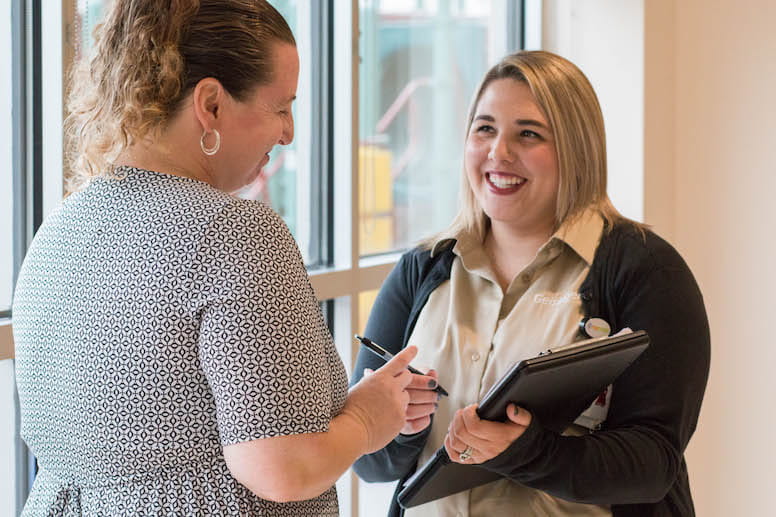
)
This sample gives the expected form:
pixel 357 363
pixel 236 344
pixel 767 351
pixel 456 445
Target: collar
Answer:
pixel 468 247
pixel 582 234
pixel 442 244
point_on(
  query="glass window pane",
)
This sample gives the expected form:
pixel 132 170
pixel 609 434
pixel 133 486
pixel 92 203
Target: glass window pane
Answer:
pixel 285 182
pixel 420 63
pixel 88 15
pixel 6 152
pixel 365 301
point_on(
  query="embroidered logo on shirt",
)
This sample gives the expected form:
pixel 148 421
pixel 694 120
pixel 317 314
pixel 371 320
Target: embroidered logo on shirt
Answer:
pixel 556 298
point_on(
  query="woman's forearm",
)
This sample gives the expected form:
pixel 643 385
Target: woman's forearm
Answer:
pixel 301 466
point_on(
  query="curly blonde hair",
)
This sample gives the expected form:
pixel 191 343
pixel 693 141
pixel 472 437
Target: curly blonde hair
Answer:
pixel 148 56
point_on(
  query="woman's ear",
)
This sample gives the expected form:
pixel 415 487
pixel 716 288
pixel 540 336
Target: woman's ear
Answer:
pixel 208 99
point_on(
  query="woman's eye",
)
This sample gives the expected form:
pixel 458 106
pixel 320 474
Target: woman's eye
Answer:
pixel 530 134
pixel 485 128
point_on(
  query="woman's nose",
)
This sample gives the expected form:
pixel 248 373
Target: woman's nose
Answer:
pixel 287 136
pixel 500 150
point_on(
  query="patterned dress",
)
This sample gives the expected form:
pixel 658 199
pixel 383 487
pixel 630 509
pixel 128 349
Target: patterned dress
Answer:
pixel 157 319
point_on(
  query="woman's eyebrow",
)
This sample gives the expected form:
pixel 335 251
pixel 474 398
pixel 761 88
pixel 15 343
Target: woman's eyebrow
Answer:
pixel 531 122
pixel 519 122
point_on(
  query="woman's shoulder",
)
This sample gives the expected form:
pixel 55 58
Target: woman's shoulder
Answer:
pixel 425 255
pixel 247 238
pixel 243 220
pixel 632 247
pixel 247 212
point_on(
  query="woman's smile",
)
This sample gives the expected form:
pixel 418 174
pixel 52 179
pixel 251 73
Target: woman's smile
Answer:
pixel 502 183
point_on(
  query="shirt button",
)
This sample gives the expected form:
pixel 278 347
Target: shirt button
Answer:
pixel 475 357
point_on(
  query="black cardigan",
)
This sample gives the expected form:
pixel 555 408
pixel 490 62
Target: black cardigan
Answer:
pixel 635 462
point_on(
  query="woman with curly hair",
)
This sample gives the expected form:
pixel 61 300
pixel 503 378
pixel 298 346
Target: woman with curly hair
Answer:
pixel 171 355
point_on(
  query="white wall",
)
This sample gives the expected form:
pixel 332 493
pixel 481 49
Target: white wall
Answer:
pixel 659 116
pixel 605 38
pixel 725 191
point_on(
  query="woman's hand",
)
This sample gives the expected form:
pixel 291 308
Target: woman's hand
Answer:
pixel 471 440
pixel 379 400
pixel 423 402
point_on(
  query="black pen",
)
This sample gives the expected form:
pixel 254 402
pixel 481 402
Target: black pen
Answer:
pixel 387 356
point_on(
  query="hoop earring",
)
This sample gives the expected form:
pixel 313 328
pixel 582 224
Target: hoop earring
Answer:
pixel 210 151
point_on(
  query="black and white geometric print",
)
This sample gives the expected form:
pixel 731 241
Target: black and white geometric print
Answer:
pixel 157 319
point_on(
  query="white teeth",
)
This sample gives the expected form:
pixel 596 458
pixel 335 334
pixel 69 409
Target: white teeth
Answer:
pixel 505 181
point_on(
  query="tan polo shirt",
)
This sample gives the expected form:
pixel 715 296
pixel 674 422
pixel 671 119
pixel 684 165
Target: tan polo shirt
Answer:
pixel 472 332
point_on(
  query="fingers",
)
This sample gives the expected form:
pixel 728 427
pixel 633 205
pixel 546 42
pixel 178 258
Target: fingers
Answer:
pixel 416 426
pixel 400 361
pixel 422 396
pixel 420 410
pixel 519 415
pixel 467 429
pixel 403 378
pixel 452 453
pixel 460 433
pixel 474 427
pixel 462 453
pixel 455 444
pixel 482 440
pixel 423 382
pixel 423 404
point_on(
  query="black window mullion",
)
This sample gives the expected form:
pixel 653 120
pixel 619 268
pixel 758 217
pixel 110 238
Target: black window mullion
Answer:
pixel 35 113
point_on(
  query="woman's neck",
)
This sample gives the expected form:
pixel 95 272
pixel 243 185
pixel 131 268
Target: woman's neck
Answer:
pixel 511 250
pixel 168 153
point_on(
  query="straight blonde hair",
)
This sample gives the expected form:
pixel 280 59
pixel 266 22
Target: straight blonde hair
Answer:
pixel 568 100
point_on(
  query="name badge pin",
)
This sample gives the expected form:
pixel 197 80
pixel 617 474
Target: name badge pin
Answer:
pixel 595 327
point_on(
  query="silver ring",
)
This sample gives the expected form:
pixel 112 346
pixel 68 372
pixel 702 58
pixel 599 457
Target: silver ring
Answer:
pixel 466 454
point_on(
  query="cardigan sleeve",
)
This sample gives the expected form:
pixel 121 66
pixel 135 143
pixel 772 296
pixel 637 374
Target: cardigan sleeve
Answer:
pixel 637 457
pixel 387 324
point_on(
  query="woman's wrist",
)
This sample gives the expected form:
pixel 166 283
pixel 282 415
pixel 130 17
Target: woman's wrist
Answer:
pixel 354 426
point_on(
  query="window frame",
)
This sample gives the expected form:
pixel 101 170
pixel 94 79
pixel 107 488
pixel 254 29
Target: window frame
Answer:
pixel 27 177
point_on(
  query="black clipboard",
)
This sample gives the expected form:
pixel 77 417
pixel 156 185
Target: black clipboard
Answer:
pixel 556 386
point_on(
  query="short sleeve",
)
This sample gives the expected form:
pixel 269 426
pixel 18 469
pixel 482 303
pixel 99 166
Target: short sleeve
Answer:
pixel 263 344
